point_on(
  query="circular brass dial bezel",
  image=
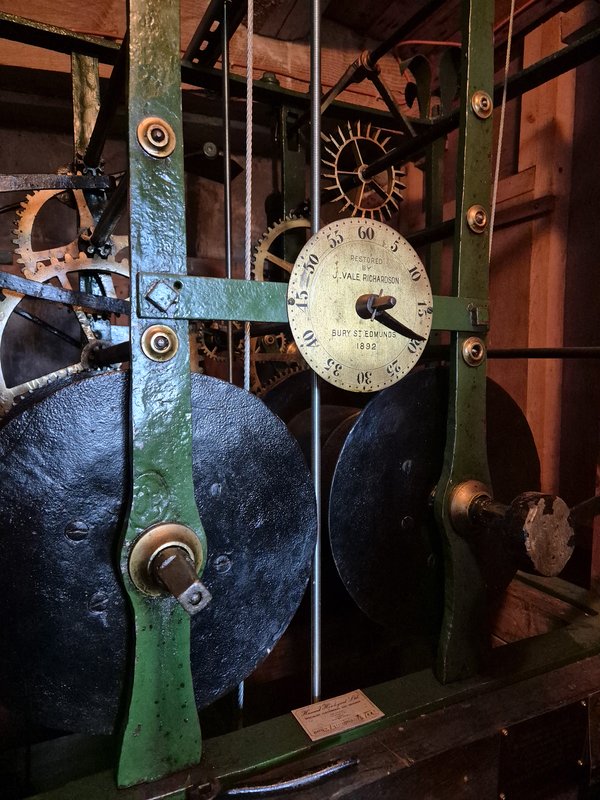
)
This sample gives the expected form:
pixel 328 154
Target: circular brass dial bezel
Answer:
pixel 343 261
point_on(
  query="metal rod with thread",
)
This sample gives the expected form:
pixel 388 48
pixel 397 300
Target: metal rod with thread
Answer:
pixel 315 180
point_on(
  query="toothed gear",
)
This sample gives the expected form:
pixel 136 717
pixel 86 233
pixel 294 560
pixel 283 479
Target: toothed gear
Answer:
pixel 263 250
pixel 56 263
pixel 59 270
pixel 346 153
pixel 265 351
pixel 280 376
pixel 269 352
pixel 26 220
pixel 207 336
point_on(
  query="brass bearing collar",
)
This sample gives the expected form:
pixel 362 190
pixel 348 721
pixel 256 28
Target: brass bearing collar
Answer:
pixel 462 498
pixel 150 543
pixel 159 343
pixel 156 137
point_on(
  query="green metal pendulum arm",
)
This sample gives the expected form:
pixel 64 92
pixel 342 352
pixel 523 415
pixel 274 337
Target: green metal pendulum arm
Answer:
pixel 162 732
pixel 465 457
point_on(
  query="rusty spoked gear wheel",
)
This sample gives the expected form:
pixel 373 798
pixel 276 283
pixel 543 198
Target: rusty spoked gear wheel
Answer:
pixel 28 217
pixel 60 271
pixel 347 152
pixel 267 250
pixel 57 264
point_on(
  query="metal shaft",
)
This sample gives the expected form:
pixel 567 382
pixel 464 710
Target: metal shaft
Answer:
pixel 29 182
pixel 545 352
pixel 442 352
pixel 435 233
pixel 315 179
pixel 487 512
pixel 537 74
pixel 174 569
pixel 110 215
pixel 358 70
pixel 115 354
pixel 227 173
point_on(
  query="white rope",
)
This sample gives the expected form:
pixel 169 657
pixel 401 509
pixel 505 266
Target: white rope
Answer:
pixel 501 126
pixel 248 229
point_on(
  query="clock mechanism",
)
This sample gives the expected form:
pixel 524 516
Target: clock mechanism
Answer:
pixel 254 485
pixel 360 305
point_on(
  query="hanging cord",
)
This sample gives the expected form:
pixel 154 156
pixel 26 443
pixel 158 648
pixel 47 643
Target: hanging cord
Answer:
pixel 248 236
pixel 501 126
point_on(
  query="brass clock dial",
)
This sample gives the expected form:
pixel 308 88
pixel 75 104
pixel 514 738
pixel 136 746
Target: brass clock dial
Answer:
pixel 360 305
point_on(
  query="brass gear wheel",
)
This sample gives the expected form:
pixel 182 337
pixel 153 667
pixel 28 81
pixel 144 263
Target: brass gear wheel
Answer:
pixel 269 353
pixel 210 336
pixel 279 377
pixel 346 153
pixel 56 264
pixel 265 251
pixel 27 217
pixel 59 270
pixel 211 339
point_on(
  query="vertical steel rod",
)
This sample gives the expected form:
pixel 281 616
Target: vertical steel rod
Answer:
pixel 315 181
pixel 227 172
pixel 111 214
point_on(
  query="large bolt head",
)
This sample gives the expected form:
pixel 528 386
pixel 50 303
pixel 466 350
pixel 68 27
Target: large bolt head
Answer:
pixel 156 137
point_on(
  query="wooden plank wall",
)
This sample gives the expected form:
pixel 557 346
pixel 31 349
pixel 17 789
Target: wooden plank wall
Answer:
pixel 529 260
pixel 544 275
pixel 289 60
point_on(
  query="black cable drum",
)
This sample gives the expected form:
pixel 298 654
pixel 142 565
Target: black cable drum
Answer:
pixel 63 498
pixel 383 537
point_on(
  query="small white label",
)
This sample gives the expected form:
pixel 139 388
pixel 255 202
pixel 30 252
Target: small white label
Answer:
pixel 338 714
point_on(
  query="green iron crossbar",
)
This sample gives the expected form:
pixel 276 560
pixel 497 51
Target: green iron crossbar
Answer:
pixel 173 296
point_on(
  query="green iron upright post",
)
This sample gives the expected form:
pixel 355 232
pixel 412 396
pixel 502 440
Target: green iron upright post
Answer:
pixel 162 732
pixel 465 458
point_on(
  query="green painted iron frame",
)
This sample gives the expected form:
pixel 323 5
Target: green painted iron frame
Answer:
pixel 151 748
pixel 162 730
